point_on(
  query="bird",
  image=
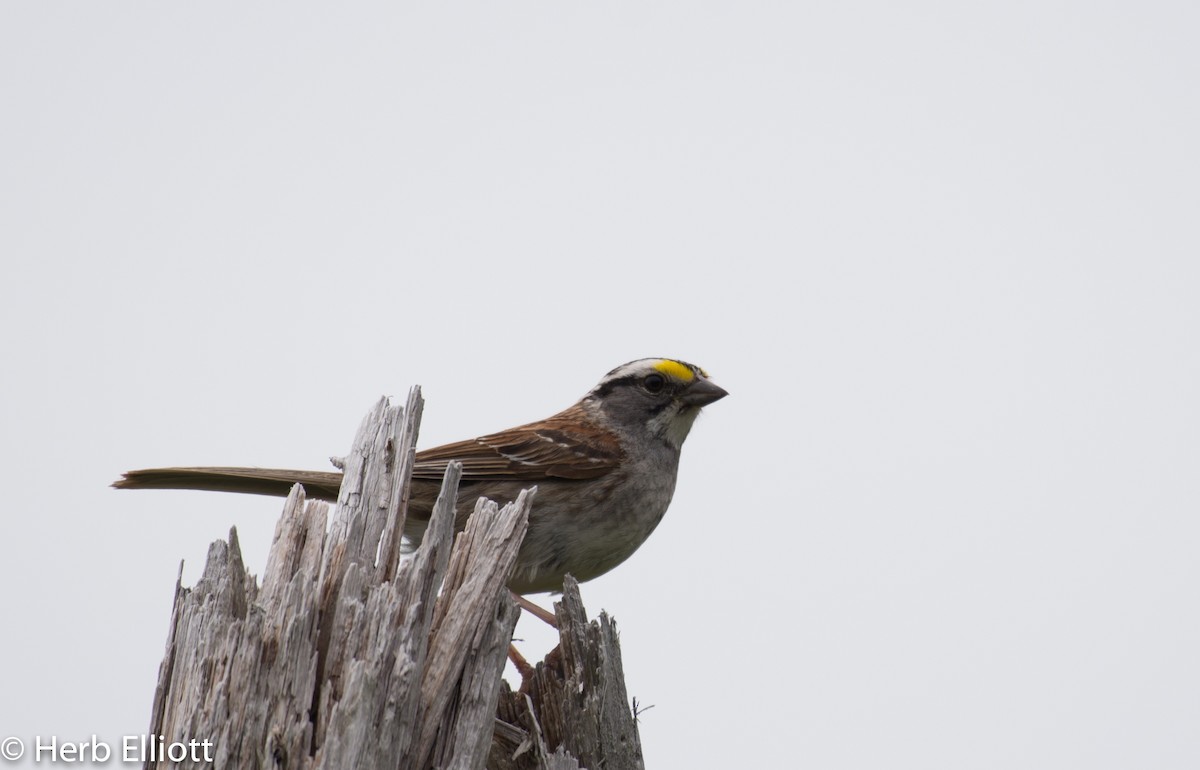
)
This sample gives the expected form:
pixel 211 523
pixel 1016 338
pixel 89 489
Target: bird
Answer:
pixel 605 468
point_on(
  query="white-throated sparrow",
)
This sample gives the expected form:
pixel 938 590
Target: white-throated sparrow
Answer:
pixel 605 469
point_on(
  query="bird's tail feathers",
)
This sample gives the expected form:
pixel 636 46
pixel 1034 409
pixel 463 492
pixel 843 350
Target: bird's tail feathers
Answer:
pixel 321 485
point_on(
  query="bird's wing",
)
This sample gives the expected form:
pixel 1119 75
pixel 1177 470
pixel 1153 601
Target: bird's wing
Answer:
pixel 568 445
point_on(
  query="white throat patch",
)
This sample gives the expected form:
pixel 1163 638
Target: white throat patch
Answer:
pixel 674 424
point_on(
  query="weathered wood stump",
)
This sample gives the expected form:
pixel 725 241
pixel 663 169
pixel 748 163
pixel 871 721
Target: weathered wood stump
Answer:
pixel 351 655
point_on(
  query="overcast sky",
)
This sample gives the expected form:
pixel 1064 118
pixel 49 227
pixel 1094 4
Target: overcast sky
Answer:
pixel 944 257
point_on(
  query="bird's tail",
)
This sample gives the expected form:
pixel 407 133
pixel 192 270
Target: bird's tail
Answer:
pixel 321 485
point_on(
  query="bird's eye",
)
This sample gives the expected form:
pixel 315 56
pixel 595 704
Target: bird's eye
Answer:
pixel 654 383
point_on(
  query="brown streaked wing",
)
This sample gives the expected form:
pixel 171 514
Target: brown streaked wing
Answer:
pixel 568 445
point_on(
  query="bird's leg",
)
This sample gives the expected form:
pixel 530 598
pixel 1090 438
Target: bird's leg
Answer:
pixel 518 660
pixel 533 609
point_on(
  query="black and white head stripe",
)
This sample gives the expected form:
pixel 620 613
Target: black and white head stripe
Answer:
pixel 680 372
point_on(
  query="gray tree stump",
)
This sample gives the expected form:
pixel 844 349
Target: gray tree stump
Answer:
pixel 349 656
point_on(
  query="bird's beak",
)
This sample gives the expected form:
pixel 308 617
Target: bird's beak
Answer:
pixel 702 392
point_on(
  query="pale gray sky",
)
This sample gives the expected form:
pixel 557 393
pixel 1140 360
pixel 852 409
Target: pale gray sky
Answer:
pixel 944 257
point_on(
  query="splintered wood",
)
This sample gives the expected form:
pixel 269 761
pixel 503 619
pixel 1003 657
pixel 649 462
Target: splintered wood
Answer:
pixel 350 656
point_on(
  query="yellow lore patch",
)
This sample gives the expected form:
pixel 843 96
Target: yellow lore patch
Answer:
pixel 676 370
